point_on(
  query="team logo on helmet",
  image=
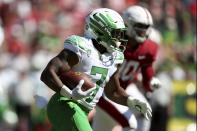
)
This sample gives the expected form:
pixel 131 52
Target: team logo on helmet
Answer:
pixel 107 27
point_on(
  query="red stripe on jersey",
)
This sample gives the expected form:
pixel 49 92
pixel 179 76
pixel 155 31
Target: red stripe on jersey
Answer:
pixel 113 112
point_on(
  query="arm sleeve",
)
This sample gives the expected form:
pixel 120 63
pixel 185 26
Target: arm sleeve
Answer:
pixel 147 74
pixel 147 70
pixel 151 52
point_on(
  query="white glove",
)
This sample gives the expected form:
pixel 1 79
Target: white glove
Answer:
pixel 76 93
pixel 141 106
pixel 155 83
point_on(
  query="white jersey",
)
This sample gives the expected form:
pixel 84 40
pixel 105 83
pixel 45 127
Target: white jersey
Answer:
pixel 99 67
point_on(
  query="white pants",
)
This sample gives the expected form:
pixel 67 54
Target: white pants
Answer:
pixel 109 113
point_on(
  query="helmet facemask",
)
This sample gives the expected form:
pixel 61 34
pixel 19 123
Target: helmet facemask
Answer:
pixel 138 31
pixel 113 40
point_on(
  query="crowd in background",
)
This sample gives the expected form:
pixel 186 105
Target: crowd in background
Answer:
pixel 33 31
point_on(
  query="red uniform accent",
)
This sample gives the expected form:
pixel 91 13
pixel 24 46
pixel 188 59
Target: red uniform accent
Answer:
pixel 112 111
pixel 140 59
pixel 137 60
pixel 146 14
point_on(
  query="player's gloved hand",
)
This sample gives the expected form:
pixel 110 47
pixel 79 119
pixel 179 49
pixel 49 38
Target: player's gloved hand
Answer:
pixel 155 83
pixel 76 93
pixel 141 106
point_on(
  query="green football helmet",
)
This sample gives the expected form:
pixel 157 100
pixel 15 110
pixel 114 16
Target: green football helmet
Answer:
pixel 106 26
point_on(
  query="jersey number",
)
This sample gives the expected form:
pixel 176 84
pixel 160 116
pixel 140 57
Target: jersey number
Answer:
pixel 127 69
pixel 97 70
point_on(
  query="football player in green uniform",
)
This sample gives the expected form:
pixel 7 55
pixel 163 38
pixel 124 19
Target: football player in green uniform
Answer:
pixel 98 55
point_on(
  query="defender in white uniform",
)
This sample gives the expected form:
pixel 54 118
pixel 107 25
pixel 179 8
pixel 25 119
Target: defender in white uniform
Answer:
pixel 97 54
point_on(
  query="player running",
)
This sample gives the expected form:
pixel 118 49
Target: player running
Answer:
pixel 98 55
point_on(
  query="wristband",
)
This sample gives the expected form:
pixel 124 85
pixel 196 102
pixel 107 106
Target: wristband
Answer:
pixel 66 92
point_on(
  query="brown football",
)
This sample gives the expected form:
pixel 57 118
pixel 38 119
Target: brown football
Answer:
pixel 72 78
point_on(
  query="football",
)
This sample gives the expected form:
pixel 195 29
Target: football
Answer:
pixel 71 80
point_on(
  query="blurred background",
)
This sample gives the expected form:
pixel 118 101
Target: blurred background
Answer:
pixel 33 31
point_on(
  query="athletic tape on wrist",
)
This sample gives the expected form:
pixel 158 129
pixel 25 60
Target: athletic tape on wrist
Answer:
pixel 65 91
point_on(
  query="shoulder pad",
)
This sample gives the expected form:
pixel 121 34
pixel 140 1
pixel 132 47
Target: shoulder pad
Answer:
pixel 79 42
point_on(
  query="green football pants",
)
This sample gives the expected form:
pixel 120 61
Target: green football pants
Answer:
pixel 67 115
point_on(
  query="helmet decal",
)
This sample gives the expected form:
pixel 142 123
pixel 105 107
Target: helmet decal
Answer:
pixel 106 26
